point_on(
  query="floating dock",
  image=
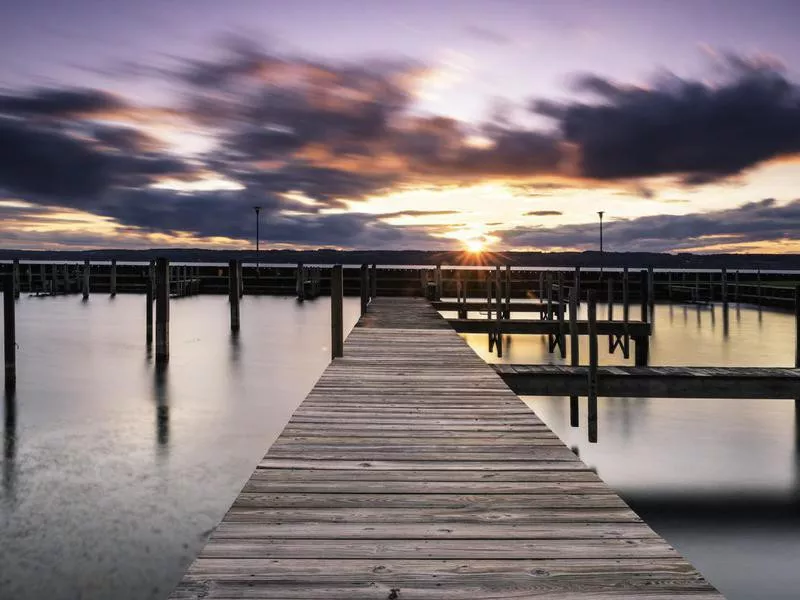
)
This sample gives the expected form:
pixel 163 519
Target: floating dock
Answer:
pixel 412 471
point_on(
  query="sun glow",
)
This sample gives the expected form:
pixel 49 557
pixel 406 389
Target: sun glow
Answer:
pixel 476 245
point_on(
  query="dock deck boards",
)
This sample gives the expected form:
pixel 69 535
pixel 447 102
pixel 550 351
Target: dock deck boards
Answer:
pixel 411 471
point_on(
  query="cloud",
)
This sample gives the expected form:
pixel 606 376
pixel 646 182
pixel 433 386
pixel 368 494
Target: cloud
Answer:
pixel 543 213
pixel 762 221
pixel 61 103
pixel 696 130
pixel 488 35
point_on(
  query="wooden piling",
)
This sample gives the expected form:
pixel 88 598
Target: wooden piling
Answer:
pixel 337 314
pixel 162 311
pixel 15 272
pixel 507 311
pixel 541 286
pixel 86 278
pixel 593 360
pixel 149 291
pixel 499 312
pixel 644 293
pixel 30 278
pixel 642 342
pixel 43 277
pixel 240 266
pixel 9 331
pixel 364 289
pixel 797 327
pixel 488 294
pixel 724 284
pixel 577 284
pixel 651 287
pixel 562 337
pixel 669 285
pixel 736 287
pixel 574 351
pixel 610 300
pixel 438 280
pixel 299 288
pixel 112 286
pixel 373 280
pixel 233 293
pixel 758 277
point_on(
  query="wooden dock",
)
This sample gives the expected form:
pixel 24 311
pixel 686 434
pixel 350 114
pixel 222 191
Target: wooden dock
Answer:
pixel 654 382
pixel 411 471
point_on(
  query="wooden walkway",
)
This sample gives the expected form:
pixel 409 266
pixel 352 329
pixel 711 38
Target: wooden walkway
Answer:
pixel 654 382
pixel 411 471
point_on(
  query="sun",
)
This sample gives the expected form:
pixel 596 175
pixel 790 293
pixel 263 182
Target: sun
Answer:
pixel 475 245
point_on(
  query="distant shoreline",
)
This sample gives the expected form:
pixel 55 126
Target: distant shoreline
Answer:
pixel 425 257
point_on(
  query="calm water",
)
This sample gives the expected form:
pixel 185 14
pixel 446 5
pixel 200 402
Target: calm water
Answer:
pixel 113 477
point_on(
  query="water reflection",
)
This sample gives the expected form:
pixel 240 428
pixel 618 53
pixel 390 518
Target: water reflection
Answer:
pixel 161 398
pixel 9 441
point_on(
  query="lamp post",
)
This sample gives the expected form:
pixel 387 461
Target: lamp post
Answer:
pixel 258 212
pixel 600 214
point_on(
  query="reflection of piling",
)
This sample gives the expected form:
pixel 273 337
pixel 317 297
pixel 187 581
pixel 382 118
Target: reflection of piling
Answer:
pixel 162 311
pixel 9 332
pixel 337 317
pixel 591 306
pixel 574 351
pixel 233 293
pixel 9 440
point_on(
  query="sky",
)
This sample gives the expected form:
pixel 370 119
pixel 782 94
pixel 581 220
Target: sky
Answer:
pixel 495 124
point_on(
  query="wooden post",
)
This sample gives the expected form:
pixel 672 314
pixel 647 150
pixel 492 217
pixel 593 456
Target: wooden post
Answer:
pixel 488 294
pixel 724 284
pixel 610 299
pixel 373 290
pixel 162 311
pixel 593 359
pixel 364 289
pixel 697 286
pixel 626 313
pixel 9 331
pixel 499 314
pixel 562 337
pixel 113 283
pixel 651 287
pixel 797 327
pixel 337 316
pixel 507 313
pixel 574 351
pixel 30 278
pixel 645 292
pixel 43 277
pixel 241 278
pixel 86 271
pixel 643 341
pixel 669 285
pixel 541 286
pixel 438 280
pixel 233 293
pixel 758 275
pixel 15 271
pixel 736 287
pixel 149 291
pixel 577 284
pixel 299 288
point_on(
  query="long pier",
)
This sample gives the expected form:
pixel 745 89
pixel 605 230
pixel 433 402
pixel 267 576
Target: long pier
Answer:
pixel 412 471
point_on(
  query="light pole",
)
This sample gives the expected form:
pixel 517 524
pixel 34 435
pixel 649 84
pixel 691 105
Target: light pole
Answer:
pixel 600 214
pixel 258 212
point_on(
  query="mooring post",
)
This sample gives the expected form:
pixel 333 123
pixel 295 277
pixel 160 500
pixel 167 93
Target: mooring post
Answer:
pixel 541 286
pixel 337 316
pixel 53 280
pixel 736 287
pixel 43 277
pixel 240 265
pixel 438 281
pixel 643 341
pixel 30 278
pixel 507 313
pixel 9 331
pixel 233 293
pixel 374 281
pixel 149 292
pixel 797 327
pixel 499 312
pixel 364 289
pixel 112 286
pixel 644 293
pixel 651 287
pixel 593 359
pixel 162 311
pixel 574 352
pixel 298 283
pixel 697 286
pixel 758 276
pixel 669 285
pixel 15 272
pixel 562 335
pixel 610 298
pixel 86 268
pixel 488 294
pixel 724 283
pixel 577 284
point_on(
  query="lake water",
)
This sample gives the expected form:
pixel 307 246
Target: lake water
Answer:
pixel 113 476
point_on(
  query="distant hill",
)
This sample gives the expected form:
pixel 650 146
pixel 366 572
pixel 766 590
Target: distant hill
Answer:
pixel 420 257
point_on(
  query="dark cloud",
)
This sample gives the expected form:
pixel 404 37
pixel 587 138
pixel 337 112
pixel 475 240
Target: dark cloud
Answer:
pixel 693 129
pixel 543 213
pixel 417 213
pixel 60 103
pixel 761 221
